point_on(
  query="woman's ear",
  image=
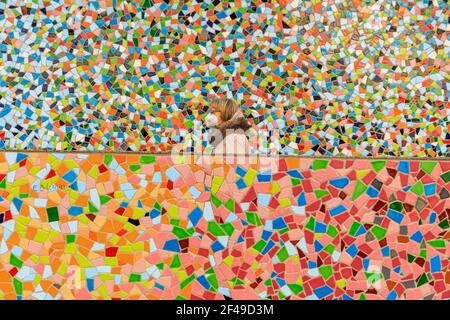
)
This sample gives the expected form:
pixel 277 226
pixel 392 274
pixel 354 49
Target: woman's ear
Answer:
pixel 219 117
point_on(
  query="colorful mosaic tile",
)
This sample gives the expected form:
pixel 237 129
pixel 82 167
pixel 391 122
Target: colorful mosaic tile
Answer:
pixel 334 77
pixel 98 226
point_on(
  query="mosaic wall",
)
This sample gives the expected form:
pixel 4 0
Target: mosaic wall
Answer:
pixel 331 78
pixel 129 227
pixel 335 77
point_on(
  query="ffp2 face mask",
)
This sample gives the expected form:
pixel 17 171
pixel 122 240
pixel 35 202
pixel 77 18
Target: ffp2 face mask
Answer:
pixel 211 120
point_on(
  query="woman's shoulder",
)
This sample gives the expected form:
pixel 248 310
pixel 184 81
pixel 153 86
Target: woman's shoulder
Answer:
pixel 236 136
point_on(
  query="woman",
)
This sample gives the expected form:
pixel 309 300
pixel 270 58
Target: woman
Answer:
pixel 228 127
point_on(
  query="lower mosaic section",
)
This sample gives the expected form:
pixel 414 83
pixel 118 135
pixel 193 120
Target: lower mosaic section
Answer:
pixel 96 226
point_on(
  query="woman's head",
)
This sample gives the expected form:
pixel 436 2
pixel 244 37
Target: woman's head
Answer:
pixel 222 110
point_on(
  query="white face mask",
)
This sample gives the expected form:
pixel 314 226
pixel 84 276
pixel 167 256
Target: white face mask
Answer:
pixel 211 120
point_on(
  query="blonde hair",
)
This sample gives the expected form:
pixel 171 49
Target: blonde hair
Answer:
pixel 227 107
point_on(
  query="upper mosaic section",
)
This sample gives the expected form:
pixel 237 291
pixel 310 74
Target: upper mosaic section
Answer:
pixel 353 78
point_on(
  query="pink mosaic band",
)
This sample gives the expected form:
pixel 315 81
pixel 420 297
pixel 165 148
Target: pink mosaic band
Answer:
pixel 99 226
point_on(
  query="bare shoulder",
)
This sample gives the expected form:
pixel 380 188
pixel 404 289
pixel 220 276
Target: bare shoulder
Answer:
pixel 236 137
